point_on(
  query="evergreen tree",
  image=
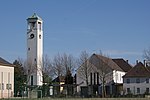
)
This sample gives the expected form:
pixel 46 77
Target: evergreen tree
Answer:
pixel 69 83
pixel 19 78
pixel 68 78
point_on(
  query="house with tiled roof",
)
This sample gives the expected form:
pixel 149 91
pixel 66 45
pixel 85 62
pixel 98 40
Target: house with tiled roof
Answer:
pixel 114 70
pixel 118 80
pixel 137 80
pixel 6 79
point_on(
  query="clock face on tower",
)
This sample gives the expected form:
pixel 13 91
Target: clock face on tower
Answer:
pixel 31 36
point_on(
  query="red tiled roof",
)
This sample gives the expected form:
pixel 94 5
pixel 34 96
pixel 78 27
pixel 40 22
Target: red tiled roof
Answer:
pixel 122 64
pixel 138 71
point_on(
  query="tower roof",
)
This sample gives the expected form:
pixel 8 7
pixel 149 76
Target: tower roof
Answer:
pixel 34 16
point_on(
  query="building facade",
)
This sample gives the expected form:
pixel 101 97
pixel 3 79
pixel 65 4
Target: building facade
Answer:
pixel 137 80
pixel 6 79
pixel 102 69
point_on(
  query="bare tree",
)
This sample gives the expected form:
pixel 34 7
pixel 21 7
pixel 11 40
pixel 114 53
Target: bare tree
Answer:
pixel 26 68
pixel 31 68
pixel 146 54
pixel 68 63
pixel 47 69
pixel 58 68
pixel 85 67
pixel 63 63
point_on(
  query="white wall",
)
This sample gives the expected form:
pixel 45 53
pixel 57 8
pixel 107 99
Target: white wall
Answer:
pixel 35 53
pixel 117 76
pixel 133 85
pixel 6 77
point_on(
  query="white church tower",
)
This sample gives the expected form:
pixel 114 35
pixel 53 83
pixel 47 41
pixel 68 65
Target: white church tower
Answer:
pixel 35 50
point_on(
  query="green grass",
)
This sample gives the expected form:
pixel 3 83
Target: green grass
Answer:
pixel 77 99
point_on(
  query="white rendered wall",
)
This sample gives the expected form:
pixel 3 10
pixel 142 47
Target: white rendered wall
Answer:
pixel 117 76
pixel 133 85
pixel 35 54
pixel 6 77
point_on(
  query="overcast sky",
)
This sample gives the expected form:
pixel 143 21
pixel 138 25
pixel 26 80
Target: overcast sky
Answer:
pixel 119 28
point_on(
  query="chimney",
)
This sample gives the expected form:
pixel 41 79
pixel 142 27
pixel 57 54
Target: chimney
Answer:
pixel 145 63
pixel 137 61
pixel 127 61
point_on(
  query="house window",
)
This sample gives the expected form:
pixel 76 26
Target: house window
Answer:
pixel 94 78
pixel 128 90
pixel 40 26
pixel 40 36
pixel 147 80
pixel 120 77
pixel 91 78
pixel 31 80
pixel 128 80
pixel 2 86
pixel 138 90
pixel 137 80
pixel 8 86
pixel 116 77
pixel 35 59
pixel 147 90
pixel 97 78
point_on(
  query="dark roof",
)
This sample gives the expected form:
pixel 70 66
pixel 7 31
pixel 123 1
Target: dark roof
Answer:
pixel 148 67
pixel 109 61
pixel 5 63
pixel 138 71
pixel 34 16
pixel 59 79
pixel 125 66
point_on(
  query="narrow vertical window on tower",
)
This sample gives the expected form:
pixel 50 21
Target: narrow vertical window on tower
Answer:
pixel 40 36
pixel 40 27
pixel 31 80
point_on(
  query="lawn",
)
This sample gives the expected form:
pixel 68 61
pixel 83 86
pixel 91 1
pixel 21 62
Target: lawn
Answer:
pixel 77 99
